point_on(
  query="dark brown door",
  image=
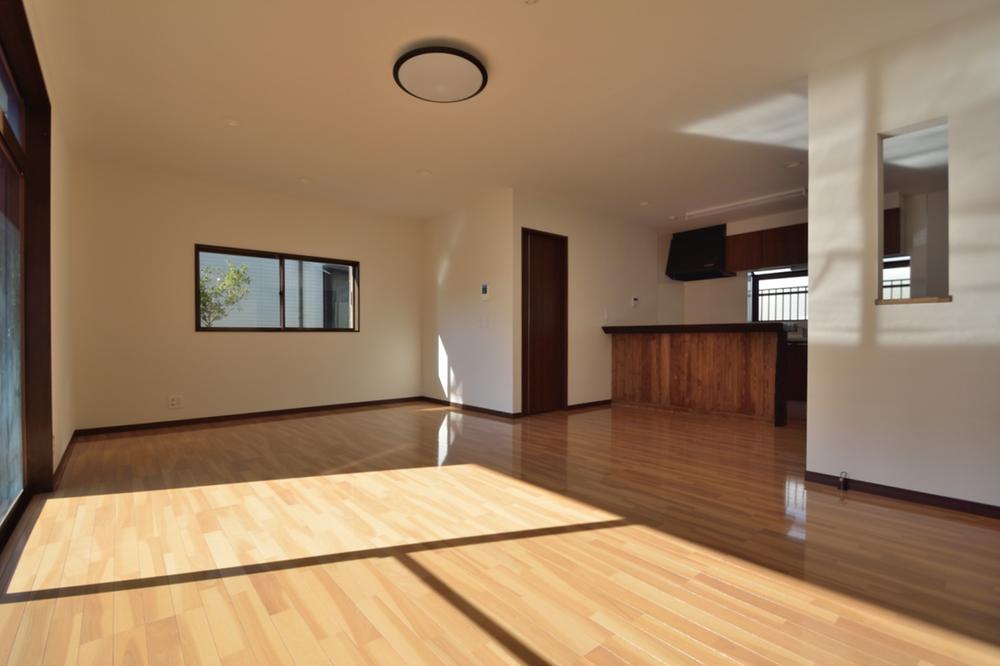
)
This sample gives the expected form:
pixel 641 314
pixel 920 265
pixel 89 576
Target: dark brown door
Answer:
pixel 544 276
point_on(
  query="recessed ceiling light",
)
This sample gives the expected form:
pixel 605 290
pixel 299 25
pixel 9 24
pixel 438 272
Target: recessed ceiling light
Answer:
pixel 231 122
pixel 643 203
pixel 440 74
pixel 425 172
pixel 794 164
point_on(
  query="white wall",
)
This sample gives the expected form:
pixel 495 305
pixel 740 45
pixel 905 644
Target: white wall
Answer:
pixel 468 342
pixel 130 277
pixel 907 395
pixel 610 261
pixel 925 236
pixel 785 218
pixel 720 300
pixel 472 348
pixel 63 260
pixel 669 293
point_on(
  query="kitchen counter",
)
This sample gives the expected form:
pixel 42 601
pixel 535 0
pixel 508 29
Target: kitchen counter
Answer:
pixel 714 368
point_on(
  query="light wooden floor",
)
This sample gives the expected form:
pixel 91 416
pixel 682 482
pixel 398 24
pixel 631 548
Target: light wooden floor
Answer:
pixel 416 534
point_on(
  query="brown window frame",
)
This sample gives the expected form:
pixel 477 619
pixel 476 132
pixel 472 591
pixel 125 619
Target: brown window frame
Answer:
pixel 30 152
pixel 755 292
pixel 280 257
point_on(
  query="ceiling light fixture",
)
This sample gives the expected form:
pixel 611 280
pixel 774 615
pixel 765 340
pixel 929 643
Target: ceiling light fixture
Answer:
pixel 744 204
pixel 440 74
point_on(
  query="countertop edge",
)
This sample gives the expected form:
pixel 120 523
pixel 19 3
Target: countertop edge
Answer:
pixel 758 327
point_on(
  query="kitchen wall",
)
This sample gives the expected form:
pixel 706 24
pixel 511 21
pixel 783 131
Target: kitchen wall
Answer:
pixel 907 395
pixel 720 300
pixel 771 221
pixel 123 291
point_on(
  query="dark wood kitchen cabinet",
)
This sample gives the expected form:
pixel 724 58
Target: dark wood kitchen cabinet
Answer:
pixel 785 246
pixel 744 252
pixel 892 232
pixel 768 248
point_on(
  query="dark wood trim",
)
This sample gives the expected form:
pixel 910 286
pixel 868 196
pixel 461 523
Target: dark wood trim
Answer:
pixel 10 140
pixel 749 327
pixel 22 60
pixel 64 462
pixel 590 405
pixel 526 319
pixel 9 522
pixel 892 232
pixel 966 506
pixel 473 408
pixel 512 415
pixel 222 249
pixel 207 420
pixel 293 411
pixel 280 257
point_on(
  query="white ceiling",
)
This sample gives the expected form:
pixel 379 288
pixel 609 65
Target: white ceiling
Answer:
pixel 683 104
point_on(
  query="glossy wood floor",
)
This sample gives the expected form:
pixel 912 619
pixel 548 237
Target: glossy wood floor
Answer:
pixel 416 534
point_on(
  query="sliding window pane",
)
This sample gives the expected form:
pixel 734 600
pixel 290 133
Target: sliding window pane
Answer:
pixel 238 291
pixel 11 435
pixel 319 295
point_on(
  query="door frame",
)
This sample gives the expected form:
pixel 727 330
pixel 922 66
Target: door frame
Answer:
pixel 526 233
pixel 33 160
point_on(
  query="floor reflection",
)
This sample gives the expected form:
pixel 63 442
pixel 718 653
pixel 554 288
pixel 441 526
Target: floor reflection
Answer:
pixel 185 500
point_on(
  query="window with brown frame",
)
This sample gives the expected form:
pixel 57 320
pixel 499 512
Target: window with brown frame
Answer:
pixel 250 290
pixel 26 369
pixel 780 294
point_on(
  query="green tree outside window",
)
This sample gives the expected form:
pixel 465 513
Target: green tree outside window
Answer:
pixel 220 293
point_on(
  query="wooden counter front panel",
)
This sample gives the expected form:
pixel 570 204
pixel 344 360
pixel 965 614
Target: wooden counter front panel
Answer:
pixel 731 373
pixel 638 363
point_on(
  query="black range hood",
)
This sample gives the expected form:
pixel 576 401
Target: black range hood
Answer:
pixel 699 254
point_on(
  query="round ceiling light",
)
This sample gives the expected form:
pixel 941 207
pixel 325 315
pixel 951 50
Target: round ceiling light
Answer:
pixel 440 74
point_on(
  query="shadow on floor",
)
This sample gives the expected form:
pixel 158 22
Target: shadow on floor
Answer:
pixel 729 484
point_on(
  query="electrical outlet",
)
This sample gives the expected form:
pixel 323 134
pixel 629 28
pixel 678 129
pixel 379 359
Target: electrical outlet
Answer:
pixel 175 401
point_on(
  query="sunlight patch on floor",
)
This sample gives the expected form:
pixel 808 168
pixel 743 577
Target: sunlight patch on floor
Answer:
pixel 94 539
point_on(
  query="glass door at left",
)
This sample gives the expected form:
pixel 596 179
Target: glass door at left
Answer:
pixel 11 338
